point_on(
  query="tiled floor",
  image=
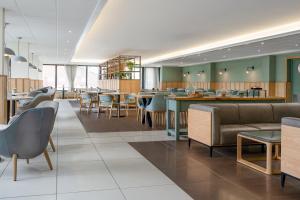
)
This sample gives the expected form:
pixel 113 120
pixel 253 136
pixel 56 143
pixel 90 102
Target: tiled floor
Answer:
pixel 89 166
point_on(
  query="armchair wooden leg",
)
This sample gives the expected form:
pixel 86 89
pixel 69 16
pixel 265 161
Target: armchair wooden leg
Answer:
pixel 15 166
pixel 51 143
pixel 48 159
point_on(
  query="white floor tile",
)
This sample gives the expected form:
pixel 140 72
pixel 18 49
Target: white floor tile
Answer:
pixel 103 134
pixel 165 192
pixel 117 151
pixel 93 195
pixel 39 197
pixel 101 140
pixel 45 185
pixel 86 176
pixel 136 173
pixel 83 152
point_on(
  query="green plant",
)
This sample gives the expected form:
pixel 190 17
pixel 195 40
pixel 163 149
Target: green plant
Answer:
pixel 130 65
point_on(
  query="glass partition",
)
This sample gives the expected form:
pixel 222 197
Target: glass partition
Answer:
pixel 49 75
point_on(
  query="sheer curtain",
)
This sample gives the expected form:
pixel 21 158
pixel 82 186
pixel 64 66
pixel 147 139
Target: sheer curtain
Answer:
pixel 71 73
pixel 151 77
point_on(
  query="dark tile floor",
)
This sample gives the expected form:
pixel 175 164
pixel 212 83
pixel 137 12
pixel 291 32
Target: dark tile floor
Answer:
pixel 219 177
pixel 94 123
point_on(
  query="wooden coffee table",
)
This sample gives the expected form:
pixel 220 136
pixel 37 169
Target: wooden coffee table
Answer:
pixel 270 139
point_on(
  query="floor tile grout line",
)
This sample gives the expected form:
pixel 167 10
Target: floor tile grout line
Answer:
pixel 105 164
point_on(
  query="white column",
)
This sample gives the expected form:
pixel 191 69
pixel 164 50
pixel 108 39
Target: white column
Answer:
pixel 3 72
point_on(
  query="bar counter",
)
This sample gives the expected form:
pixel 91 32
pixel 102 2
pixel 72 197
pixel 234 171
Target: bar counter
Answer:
pixel 181 104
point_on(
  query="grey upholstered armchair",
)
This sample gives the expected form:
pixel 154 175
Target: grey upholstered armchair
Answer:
pixel 27 136
pixel 54 105
pixel 34 102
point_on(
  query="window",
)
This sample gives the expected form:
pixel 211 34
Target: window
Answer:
pixel 62 78
pixel 151 77
pixel 92 78
pixel 80 77
pixel 49 75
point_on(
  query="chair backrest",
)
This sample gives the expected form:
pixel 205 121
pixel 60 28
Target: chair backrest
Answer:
pixel 130 98
pixel 28 135
pixel 105 99
pixel 34 102
pixel 158 103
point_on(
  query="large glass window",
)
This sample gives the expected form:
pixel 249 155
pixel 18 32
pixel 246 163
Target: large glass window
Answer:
pixel 93 77
pixel 49 75
pixel 80 77
pixel 62 78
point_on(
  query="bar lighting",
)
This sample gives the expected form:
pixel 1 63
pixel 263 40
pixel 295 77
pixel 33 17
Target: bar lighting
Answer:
pixel 201 72
pixel 222 71
pixel 9 52
pixel 186 74
pixel 249 69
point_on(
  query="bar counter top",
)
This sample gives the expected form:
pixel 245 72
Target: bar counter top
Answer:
pixel 226 98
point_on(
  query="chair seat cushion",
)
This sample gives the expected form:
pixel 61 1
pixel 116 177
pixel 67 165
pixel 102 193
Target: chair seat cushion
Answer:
pixel 266 126
pixel 229 132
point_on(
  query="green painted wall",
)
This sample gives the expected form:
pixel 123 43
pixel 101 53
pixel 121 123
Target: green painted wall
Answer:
pixel 196 76
pixel 295 76
pixel 281 70
pixel 236 70
pixel 171 73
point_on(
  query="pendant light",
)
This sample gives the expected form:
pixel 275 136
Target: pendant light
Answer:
pixel 8 52
pixel 30 64
pixel 18 58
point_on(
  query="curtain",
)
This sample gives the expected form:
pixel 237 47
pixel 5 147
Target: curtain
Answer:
pixel 151 77
pixel 74 72
pixel 70 75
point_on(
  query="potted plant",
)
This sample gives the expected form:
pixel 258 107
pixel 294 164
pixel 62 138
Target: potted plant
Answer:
pixel 130 65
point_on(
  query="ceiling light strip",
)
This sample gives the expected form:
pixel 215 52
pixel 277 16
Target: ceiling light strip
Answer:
pixel 269 33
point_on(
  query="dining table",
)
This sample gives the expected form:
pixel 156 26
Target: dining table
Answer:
pixel 12 103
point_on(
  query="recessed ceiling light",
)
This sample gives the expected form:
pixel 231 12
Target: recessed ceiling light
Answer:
pixel 68 41
pixel 224 56
pixel 262 43
pixel 229 49
pixel 297 45
pixel 258 50
pixel 69 31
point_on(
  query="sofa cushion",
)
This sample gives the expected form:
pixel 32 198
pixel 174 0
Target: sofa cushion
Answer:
pixel 266 126
pixel 256 113
pixel 285 110
pixel 227 113
pixel 229 132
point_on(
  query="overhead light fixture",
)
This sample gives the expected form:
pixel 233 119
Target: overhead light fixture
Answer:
pixel 221 72
pixel 9 52
pixel 186 74
pixel 249 69
pixel 39 70
pixel 18 58
pixel 201 72
pixel 30 64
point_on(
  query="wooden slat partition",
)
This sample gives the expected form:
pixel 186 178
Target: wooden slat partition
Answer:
pixel 3 99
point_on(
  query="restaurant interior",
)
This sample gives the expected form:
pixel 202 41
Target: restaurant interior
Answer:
pixel 136 99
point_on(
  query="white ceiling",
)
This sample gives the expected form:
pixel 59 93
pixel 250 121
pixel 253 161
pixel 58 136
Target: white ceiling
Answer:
pixel 161 31
pixel 155 28
pixel 46 25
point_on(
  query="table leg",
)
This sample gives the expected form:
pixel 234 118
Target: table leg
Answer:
pixel 269 158
pixel 177 122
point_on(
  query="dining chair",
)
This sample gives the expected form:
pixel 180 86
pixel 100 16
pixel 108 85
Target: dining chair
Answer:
pixel 85 101
pixel 27 136
pixel 106 101
pixel 140 109
pixel 157 109
pixel 130 101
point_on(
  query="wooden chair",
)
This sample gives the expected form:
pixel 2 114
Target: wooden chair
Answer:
pixel 157 109
pixel 107 102
pixel 85 101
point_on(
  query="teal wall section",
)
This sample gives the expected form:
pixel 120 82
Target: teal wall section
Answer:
pixel 171 73
pixel 236 70
pixel 295 76
pixel 267 69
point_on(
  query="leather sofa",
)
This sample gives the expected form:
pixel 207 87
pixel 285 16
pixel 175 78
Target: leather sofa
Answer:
pixel 290 148
pixel 218 124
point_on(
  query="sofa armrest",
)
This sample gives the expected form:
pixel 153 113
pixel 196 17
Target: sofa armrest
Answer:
pixel 204 124
pixel 290 146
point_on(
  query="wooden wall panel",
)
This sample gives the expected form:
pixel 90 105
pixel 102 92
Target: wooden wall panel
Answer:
pixel 26 85
pixel 130 86
pixel 3 99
